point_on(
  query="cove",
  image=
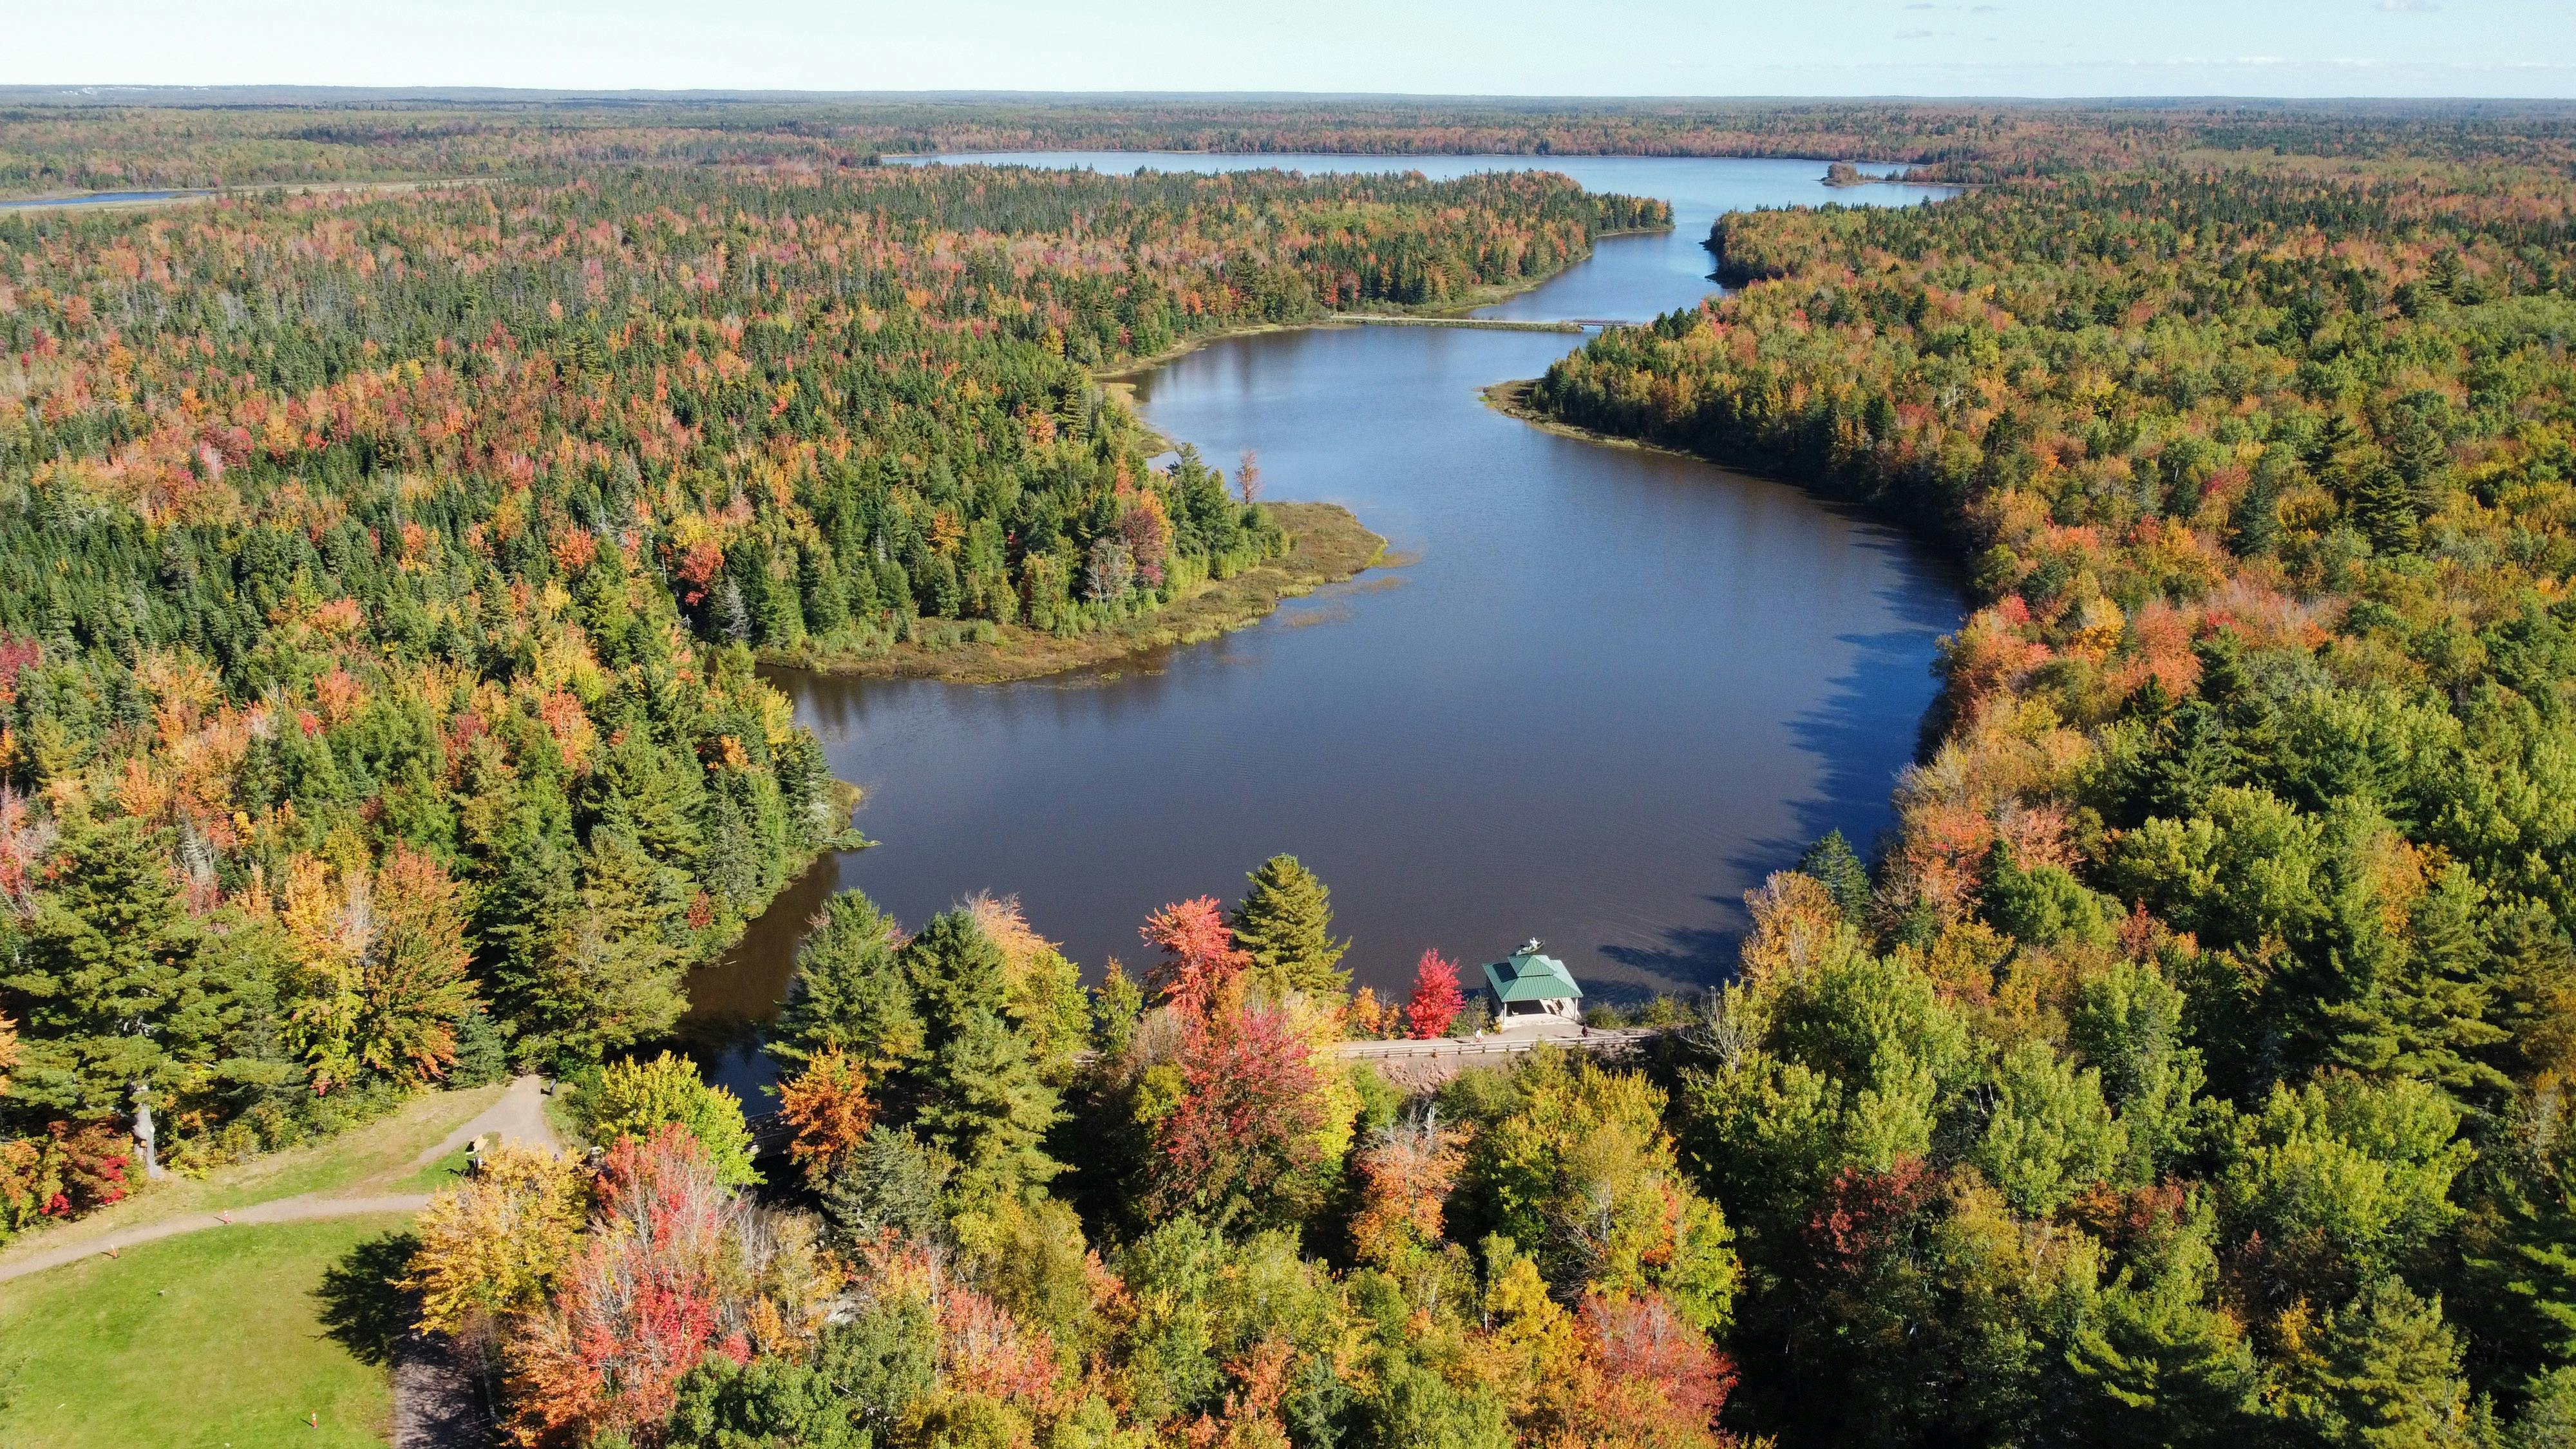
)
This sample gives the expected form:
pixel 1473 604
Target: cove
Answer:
pixel 1598 694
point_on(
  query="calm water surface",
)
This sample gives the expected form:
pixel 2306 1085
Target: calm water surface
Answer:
pixel 95 198
pixel 1601 693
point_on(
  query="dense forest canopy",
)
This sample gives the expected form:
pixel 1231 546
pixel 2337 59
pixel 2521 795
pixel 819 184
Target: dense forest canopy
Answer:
pixel 2215 1082
pixel 268 137
pixel 381 576
pixel 384 571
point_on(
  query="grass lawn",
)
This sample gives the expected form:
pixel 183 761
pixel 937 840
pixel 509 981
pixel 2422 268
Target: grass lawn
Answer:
pixel 221 1338
pixel 369 1157
pixel 378 1157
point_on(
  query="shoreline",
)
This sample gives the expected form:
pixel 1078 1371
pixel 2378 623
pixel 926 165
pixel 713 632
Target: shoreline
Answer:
pixel 139 197
pixel 1437 314
pixel 1327 542
pixel 1327 545
pixel 1511 399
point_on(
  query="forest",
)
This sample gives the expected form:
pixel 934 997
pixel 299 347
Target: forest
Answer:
pixel 269 136
pixel 2192 1065
pixel 385 572
pixel 382 577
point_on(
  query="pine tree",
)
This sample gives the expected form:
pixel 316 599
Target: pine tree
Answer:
pixel 2383 1371
pixel 2415 1005
pixel 1285 924
pixel 607 973
pixel 113 979
pixel 978 1093
pixel 849 993
pixel 1837 867
pixel 890 1182
pixel 2383 508
pixel 2518 1245
pixel 2254 524
pixel 2446 998
pixel 2156 1362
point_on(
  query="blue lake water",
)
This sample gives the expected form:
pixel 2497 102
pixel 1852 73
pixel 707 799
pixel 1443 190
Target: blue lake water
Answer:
pixel 1601 694
pixel 95 198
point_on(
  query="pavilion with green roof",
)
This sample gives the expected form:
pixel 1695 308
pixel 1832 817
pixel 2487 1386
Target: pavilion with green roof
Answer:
pixel 1531 989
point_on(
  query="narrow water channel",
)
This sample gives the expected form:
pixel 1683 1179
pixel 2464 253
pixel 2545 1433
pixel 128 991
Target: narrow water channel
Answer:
pixel 1599 694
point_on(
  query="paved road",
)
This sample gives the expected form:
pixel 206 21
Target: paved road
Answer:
pixel 1503 1044
pixel 519 1116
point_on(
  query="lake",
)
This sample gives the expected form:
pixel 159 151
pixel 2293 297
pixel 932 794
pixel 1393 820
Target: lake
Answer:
pixel 1599 693
pixel 95 198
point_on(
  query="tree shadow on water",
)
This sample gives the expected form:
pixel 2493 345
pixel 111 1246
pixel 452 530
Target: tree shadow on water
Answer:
pixel 1690 959
pixel 363 1309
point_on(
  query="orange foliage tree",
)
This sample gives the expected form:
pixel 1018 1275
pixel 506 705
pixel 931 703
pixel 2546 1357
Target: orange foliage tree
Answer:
pixel 828 1106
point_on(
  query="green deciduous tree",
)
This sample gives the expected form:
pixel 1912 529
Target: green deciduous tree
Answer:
pixel 637 1098
pixel 2049 1133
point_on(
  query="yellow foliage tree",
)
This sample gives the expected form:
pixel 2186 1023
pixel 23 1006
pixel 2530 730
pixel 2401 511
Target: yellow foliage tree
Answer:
pixel 491 1246
pixel 1405 1175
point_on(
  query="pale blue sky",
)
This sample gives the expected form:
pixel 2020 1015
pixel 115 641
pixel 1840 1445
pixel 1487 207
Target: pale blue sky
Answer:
pixel 1524 47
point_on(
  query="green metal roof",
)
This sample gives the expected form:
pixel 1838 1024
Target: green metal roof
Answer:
pixel 1529 976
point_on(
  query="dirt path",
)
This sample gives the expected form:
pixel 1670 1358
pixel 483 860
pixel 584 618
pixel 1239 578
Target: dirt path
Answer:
pixel 520 1116
pixel 300 1209
pixel 436 1405
pixel 1421 1065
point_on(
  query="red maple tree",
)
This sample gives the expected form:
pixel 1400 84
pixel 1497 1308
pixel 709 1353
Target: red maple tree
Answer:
pixel 1436 1000
pixel 1200 958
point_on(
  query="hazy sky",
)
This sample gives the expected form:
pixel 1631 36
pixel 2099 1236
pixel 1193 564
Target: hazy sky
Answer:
pixel 1560 47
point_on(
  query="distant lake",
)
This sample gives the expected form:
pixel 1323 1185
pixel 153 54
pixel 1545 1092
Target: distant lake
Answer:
pixel 1602 694
pixel 95 198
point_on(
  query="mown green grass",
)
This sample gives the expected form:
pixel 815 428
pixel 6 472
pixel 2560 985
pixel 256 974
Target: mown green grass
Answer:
pixel 228 1337
pixel 442 1173
pixel 380 1156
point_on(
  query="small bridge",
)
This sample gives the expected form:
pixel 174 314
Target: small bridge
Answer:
pixel 1487 324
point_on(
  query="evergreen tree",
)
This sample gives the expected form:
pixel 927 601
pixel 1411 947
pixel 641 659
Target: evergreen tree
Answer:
pixel 2153 1361
pixel 610 975
pixel 978 1092
pixel 113 980
pixel 2383 507
pixel 2413 1005
pixel 890 1183
pixel 1285 924
pixel 2382 1372
pixel 849 993
pixel 2518 1255
pixel 1833 862
pixel 2254 524
pixel 2128 1022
